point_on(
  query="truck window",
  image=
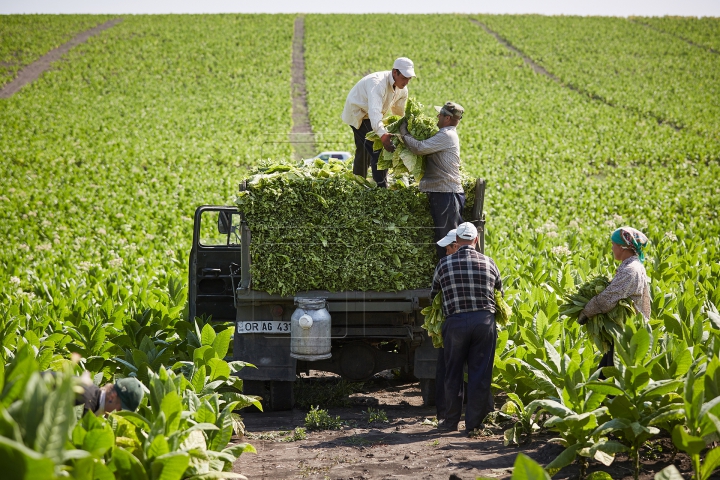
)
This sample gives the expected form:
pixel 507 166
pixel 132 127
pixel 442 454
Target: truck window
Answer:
pixel 219 228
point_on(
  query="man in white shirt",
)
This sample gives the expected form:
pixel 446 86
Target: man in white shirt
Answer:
pixel 366 105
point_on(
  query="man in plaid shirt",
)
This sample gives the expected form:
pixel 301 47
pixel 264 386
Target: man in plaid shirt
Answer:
pixel 468 280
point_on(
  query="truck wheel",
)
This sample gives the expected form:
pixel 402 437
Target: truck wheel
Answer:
pixel 281 396
pixel 427 390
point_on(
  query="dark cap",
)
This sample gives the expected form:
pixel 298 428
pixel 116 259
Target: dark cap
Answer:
pixel 130 391
pixel 451 108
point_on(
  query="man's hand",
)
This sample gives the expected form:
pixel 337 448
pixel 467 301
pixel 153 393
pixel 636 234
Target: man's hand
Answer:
pixel 582 318
pixel 387 142
pixel 403 128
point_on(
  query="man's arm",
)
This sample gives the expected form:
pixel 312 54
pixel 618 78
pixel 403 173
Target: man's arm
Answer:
pixel 375 113
pixel 435 283
pixel 621 286
pixel 439 141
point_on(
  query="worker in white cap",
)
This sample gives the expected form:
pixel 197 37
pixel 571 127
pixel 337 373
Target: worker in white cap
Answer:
pixel 366 105
pixel 442 182
pixel 449 243
pixel 468 280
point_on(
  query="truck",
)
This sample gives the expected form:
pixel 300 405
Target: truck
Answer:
pixel 370 331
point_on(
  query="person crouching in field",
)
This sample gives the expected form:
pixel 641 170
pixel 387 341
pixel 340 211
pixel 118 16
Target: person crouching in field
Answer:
pixel 630 281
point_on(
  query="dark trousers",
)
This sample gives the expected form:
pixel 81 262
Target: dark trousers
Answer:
pixel 365 155
pixel 469 337
pixel 607 360
pixel 440 384
pixel 446 211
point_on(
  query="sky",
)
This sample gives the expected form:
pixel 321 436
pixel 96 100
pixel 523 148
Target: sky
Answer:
pixel 546 7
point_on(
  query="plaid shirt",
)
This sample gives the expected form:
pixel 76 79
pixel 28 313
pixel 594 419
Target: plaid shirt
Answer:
pixel 468 280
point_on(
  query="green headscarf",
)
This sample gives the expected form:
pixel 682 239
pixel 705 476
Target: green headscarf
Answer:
pixel 631 237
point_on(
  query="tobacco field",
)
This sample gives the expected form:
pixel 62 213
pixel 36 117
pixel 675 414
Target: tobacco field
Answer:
pixel 105 157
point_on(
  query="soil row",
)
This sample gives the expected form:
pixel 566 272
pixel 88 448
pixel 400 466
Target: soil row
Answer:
pixel 33 71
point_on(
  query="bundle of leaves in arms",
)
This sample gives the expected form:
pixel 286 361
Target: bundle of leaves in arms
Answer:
pixel 604 327
pixel 323 228
pixel 402 160
pixel 434 319
pixel 503 311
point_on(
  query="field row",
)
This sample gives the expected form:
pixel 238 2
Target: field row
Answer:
pixel 25 38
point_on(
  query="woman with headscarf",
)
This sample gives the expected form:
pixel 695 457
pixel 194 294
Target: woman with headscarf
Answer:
pixel 630 281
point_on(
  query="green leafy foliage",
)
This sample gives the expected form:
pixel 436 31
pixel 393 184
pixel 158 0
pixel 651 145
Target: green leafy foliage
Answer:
pixel 402 160
pixel 323 228
pixel 319 419
pixel 603 327
pixel 434 319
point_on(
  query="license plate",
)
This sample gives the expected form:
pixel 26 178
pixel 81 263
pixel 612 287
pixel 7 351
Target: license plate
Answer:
pixel 263 327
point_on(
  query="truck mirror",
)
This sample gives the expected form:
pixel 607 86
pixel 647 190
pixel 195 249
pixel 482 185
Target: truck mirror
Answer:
pixel 224 222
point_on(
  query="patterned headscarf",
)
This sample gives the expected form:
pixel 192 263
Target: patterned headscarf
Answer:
pixel 632 238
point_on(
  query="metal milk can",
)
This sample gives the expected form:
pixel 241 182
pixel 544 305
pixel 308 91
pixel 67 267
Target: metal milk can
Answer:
pixel 310 330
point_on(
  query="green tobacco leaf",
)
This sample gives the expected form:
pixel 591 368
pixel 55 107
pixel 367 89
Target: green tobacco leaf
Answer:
pixel 687 443
pixel 605 388
pixel 714 319
pixel 171 406
pixel 598 475
pixel 198 378
pixel 554 408
pixel 158 447
pixel 221 344
pixel 239 448
pixel 170 466
pixel 711 462
pixel 126 466
pixel 20 463
pixel 663 387
pixel 208 335
pixel 58 420
pixel 219 369
pixel 563 460
pixel 98 441
pixel 669 473
pixel 525 468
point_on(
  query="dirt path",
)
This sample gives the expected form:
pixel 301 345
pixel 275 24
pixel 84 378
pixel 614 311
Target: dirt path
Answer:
pixel 301 137
pixel 407 446
pixel 33 71
pixel 541 70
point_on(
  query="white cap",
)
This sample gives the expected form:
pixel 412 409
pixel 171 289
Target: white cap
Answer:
pixel 406 67
pixel 448 239
pixel 467 231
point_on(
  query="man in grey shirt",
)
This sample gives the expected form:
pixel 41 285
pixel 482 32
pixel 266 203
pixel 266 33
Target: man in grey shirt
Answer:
pixel 442 181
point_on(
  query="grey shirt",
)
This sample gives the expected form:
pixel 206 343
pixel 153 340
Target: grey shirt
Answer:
pixel 442 170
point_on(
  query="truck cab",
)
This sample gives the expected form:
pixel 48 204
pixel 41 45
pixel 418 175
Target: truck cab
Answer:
pixel 370 331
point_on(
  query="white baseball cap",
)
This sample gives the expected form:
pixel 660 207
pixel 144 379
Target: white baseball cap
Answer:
pixel 467 231
pixel 406 67
pixel 448 239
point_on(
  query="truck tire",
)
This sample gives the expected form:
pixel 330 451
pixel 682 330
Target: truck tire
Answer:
pixel 427 390
pixel 281 396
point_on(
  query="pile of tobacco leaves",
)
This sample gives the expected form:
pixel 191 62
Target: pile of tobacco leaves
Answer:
pixel 319 227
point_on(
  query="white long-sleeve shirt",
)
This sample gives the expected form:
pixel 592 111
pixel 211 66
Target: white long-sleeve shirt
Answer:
pixel 372 97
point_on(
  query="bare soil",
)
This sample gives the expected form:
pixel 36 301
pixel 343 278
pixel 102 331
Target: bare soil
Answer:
pixel 301 137
pixel 408 445
pixel 33 71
